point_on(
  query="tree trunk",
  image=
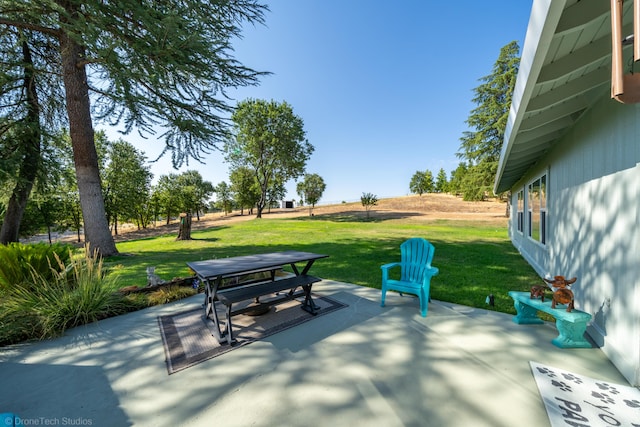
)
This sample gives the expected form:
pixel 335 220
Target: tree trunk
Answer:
pixel 30 145
pixel 184 233
pixel 10 231
pixel 85 157
pixel 260 207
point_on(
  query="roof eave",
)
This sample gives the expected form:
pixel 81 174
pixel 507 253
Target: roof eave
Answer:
pixel 543 22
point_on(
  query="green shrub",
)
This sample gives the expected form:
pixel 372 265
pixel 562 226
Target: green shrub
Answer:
pixel 18 261
pixel 78 293
pixel 15 327
pixel 170 293
pixel 135 302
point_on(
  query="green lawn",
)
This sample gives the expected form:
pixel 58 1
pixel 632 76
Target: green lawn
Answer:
pixel 474 259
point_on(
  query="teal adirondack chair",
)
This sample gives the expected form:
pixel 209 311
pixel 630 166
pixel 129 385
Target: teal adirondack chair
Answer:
pixel 416 272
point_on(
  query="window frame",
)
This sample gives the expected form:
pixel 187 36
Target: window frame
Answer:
pixel 537 212
pixel 520 203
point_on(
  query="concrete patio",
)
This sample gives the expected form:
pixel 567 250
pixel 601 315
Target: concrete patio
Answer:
pixel 363 365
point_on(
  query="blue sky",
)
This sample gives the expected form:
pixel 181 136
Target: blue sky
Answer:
pixel 384 88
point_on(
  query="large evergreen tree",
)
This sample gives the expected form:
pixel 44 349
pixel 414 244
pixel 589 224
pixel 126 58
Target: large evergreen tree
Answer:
pixel 27 110
pixel 481 146
pixel 142 64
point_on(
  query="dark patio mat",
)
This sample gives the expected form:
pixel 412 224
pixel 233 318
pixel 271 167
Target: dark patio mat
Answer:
pixel 188 339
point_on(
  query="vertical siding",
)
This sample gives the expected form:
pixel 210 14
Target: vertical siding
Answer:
pixel 593 226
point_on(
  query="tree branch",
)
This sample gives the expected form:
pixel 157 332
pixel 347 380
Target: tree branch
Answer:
pixel 28 26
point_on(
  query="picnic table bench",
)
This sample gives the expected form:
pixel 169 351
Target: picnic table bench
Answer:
pixel 571 325
pixel 213 272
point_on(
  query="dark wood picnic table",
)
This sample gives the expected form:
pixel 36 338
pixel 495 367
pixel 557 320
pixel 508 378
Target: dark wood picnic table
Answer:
pixel 213 273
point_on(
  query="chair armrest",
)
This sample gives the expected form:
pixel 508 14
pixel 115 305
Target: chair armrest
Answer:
pixel 390 265
pixel 428 274
pixel 385 270
pixel 432 271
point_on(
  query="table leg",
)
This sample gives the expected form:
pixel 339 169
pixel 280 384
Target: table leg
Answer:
pixel 308 305
pixel 229 334
pixel 210 311
pixel 306 268
pixel 295 269
pixel 208 299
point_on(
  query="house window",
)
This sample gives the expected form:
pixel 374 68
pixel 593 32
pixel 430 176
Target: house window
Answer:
pixel 520 211
pixel 538 209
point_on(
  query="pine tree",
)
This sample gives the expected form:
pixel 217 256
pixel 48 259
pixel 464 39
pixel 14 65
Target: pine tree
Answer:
pixel 441 185
pixel 481 147
pixel 139 64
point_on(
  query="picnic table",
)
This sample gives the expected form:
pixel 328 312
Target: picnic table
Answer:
pixel 214 272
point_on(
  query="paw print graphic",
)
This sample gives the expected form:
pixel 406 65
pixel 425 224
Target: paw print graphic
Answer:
pixel 546 372
pixel 572 378
pixel 607 387
pixel 604 397
pixel 561 385
pixel 632 403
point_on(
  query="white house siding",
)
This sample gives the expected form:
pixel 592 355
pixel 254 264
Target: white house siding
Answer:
pixel 593 225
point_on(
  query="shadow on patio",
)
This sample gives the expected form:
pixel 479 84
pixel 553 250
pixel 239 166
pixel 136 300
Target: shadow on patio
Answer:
pixel 361 365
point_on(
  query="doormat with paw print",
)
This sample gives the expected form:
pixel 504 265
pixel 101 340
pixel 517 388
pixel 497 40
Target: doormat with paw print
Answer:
pixel 576 400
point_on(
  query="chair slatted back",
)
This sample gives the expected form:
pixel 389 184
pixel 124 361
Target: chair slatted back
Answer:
pixel 416 256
